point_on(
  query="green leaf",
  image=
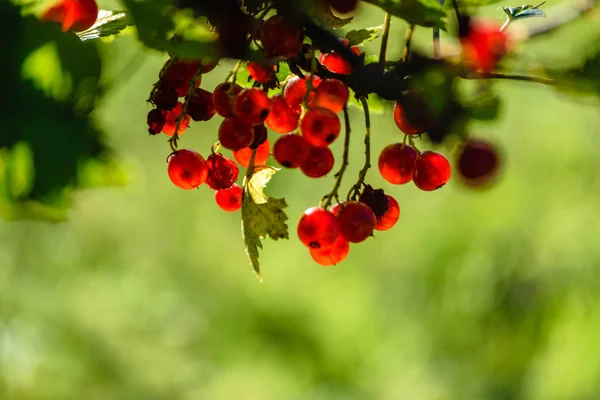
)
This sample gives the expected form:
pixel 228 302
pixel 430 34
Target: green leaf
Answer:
pixel 427 13
pixel 524 11
pixel 361 36
pixel 108 23
pixel 258 183
pixel 327 19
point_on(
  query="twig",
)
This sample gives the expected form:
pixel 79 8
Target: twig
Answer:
pixel 408 40
pixel 327 199
pixel 499 75
pixel 354 190
pixel 384 39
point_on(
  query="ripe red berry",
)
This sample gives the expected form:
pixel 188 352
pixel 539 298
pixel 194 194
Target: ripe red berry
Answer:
pixel 432 171
pixel 343 6
pixel 280 37
pixel 171 121
pixel 356 221
pixel 229 199
pixel 261 73
pixel 290 150
pixel 477 162
pixel 165 96
pixel 390 217
pixel 156 121
pixel 418 119
pixel 200 106
pixel 263 151
pixel 222 172
pixel 179 75
pixel 260 136
pixel 295 90
pixel 320 126
pixel 234 134
pixel 318 228
pixel 331 255
pixel 483 45
pixel 224 98
pixel 187 169
pixel 252 106
pixel 331 94
pixel 336 63
pixel 396 163
pixel 281 119
pixel 73 15
pixel 318 162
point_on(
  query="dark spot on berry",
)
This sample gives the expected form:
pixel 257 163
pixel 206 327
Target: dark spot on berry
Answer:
pixel 314 245
pixel 330 138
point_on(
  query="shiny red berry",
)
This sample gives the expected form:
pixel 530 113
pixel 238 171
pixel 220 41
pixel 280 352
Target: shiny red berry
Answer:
pixel 412 115
pixel 171 121
pixel 318 162
pixel 336 63
pixel 234 134
pixel 222 172
pixel 252 106
pixel 261 73
pixel 165 96
pixel 156 121
pixel 331 94
pixel 396 163
pixel 229 199
pixel 432 171
pixel 280 37
pixel 290 150
pixel 73 15
pixel 333 255
pixel 356 221
pixel 224 98
pixel 295 90
pixel 483 45
pixel 281 119
pixel 478 162
pixel 200 106
pixel 318 228
pixel 242 156
pixel 390 216
pixel 187 169
pixel 320 126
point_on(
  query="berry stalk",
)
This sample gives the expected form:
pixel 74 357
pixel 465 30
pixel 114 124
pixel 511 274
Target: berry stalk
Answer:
pixel 355 190
pixel 385 34
pixel 327 199
pixel 174 139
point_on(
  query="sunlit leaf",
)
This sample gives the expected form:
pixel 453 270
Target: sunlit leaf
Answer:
pixel 524 11
pixel 108 23
pixel 361 36
pixel 258 182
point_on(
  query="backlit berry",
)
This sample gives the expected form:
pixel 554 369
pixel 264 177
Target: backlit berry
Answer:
pixel 261 73
pixel 171 121
pixel 224 98
pixel 252 106
pixel 412 114
pixel 331 94
pixel 156 121
pixel 179 75
pixel 295 90
pixel 222 172
pixel 280 37
pixel 320 126
pixel 200 106
pixel 242 156
pixel 260 136
pixel 318 162
pixel 165 96
pixel 356 221
pixel 290 150
pixel 432 171
pixel 477 162
pixel 396 163
pixel 483 45
pixel 229 199
pixel 318 228
pixel 390 217
pixel 333 255
pixel 187 169
pixel 234 134
pixel 73 15
pixel 281 119
pixel 336 63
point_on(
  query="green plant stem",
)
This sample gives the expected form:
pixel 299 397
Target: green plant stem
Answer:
pixel 175 138
pixel 232 77
pixel 505 25
pixel 355 190
pixel 408 40
pixel 500 75
pixel 327 199
pixel 309 83
pixel 387 19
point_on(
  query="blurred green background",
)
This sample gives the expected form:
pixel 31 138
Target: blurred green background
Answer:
pixel 146 293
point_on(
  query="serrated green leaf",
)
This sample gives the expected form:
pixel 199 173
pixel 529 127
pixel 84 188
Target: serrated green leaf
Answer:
pixel 362 36
pixel 258 182
pixel 427 13
pixel 325 17
pixel 108 23
pixel 524 11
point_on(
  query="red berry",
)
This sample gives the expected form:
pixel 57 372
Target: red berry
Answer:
pixel 343 6
pixel 222 172
pixel 261 73
pixel 418 119
pixel 396 163
pixel 171 121
pixel 290 150
pixel 318 228
pixel 319 162
pixel 281 119
pixel 356 221
pixel 260 136
pixel 280 37
pixel 200 106
pixel 165 96
pixel 320 126
pixel 478 162
pixel 73 15
pixel 376 199
pixel 224 98
pixel 484 45
pixel 432 171
pixel 243 156
pixel 179 75
pixel 335 63
pixel 331 255
pixel 156 121
pixel 390 217
pixel 252 106
pixel 234 134
pixel 295 90
pixel 331 94
pixel 229 199
pixel 187 169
